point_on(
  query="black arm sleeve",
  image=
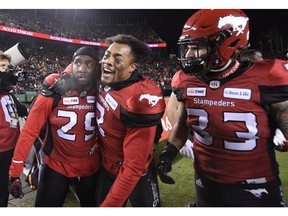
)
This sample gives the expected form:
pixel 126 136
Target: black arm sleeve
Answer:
pixel 158 134
pixel 140 120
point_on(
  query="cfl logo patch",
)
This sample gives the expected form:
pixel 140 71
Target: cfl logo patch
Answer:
pixel 214 84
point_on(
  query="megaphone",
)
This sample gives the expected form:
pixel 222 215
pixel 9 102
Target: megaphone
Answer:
pixel 18 54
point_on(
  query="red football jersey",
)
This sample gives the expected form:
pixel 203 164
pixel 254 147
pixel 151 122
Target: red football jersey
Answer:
pixel 127 116
pixel 233 133
pixel 9 124
pixel 70 145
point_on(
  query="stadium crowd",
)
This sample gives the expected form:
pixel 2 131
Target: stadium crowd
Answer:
pixel 75 29
pixel 46 60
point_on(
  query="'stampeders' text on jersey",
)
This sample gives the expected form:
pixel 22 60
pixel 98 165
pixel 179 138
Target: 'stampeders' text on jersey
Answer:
pixel 73 128
pixel 70 141
pixel 233 133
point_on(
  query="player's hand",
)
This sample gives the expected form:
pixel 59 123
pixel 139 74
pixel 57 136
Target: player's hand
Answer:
pixel 64 84
pixel 162 171
pixel 187 150
pixel 15 187
pixel 165 163
pixel 281 144
pixel 279 137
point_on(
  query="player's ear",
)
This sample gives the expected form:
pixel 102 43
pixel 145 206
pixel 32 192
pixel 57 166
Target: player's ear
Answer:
pixel 133 66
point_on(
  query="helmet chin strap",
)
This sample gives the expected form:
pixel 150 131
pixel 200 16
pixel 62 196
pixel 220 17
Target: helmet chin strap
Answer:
pixel 223 68
pixel 224 71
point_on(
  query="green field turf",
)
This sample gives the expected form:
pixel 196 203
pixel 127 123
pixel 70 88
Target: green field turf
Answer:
pixel 182 192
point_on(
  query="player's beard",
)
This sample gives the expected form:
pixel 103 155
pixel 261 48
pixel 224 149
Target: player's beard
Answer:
pixel 84 86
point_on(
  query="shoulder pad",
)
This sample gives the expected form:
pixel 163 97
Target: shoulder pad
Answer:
pixel 145 107
pixel 176 79
pixel 148 102
pixel 143 110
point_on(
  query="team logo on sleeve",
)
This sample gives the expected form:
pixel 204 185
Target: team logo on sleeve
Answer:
pixel 286 66
pixel 152 99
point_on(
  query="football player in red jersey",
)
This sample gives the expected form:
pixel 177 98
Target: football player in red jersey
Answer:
pixel 233 109
pixel 71 155
pixel 129 108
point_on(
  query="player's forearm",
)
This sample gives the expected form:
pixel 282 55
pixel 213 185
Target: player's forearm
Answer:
pixel 280 115
pixel 180 131
pixel 179 135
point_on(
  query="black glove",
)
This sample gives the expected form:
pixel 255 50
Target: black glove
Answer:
pixel 15 187
pixel 65 84
pixel 165 163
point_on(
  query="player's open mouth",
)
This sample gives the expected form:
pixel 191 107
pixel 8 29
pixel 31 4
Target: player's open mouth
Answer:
pixel 82 78
pixel 107 73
